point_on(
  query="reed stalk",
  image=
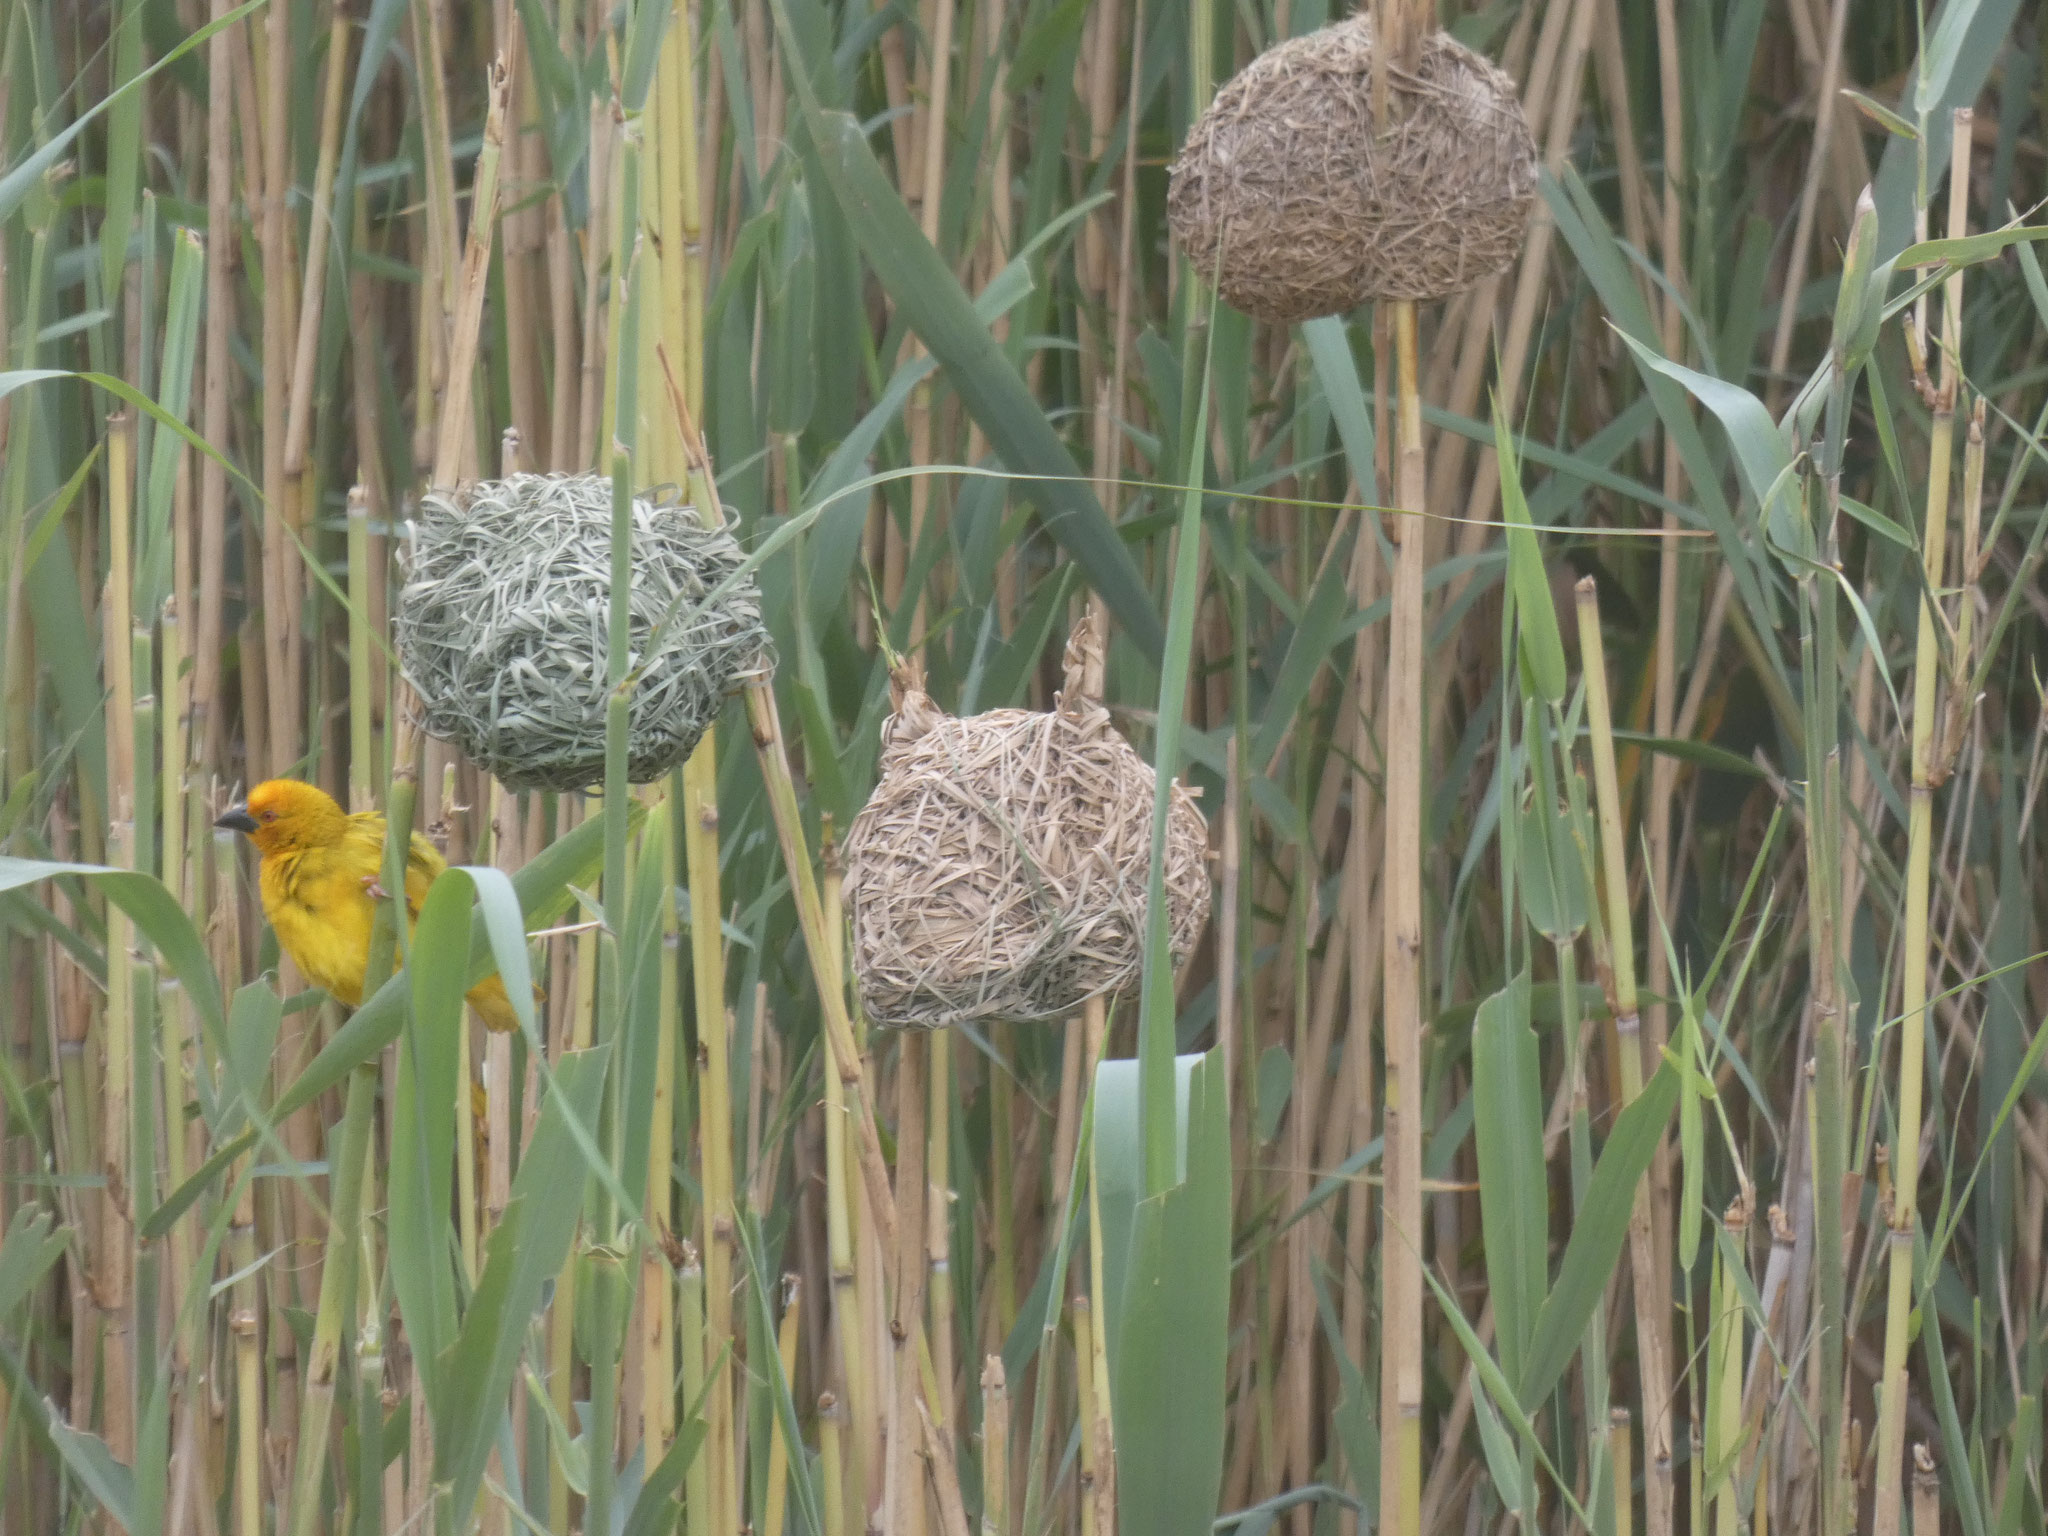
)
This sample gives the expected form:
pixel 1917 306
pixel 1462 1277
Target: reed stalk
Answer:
pixel 1081 1318
pixel 845 1052
pixel 903 1502
pixel 1621 1457
pixel 995 1449
pixel 1659 808
pixel 832 1474
pixel 672 163
pixel 707 970
pixel 373 1399
pixel 114 1281
pixel 1919 957
pixel 1926 1493
pixel 775 1501
pixel 939 1223
pixel 698 1511
pixel 1651 1345
pixel 339 1277
pixel 606 1315
pixel 320 241
pixel 1401 1286
pixel 715 1130
pixel 1723 1394
pixel 242 1324
pixel 849 1314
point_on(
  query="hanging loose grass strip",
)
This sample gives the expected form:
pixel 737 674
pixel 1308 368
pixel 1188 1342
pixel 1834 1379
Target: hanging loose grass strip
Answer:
pixel 998 871
pixel 1298 205
pixel 502 625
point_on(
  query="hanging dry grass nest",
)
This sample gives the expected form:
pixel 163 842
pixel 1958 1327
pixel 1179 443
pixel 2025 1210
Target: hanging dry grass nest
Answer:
pixel 1287 196
pixel 502 627
pixel 999 869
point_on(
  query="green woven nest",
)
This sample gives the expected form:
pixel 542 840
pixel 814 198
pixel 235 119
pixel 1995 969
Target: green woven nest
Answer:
pixel 503 621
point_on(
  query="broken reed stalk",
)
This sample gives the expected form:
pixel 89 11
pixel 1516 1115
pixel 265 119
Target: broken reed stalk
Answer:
pixel 831 1466
pixel 697 1508
pixel 1918 956
pixel 778 1447
pixel 1621 1451
pixel 1926 1493
pixel 1722 1393
pixel 1081 1318
pixel 1651 1348
pixel 995 1449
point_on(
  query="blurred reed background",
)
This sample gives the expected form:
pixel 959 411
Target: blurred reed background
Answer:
pixel 1726 763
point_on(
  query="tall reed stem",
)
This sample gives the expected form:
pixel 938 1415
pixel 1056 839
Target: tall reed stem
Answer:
pixel 1653 1363
pixel 1919 956
pixel 338 1279
pixel 903 1498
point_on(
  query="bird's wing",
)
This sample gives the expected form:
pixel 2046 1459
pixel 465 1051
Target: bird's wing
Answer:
pixel 366 833
pixel 422 863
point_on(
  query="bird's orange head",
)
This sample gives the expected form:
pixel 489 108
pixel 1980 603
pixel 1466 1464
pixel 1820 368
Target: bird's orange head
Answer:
pixel 285 815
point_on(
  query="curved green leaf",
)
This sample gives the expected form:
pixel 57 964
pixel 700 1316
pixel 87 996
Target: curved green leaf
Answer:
pixel 1597 1235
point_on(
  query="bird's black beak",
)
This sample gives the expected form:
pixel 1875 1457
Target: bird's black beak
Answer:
pixel 236 818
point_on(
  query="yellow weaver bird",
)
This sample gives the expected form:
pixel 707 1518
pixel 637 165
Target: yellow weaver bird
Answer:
pixel 319 885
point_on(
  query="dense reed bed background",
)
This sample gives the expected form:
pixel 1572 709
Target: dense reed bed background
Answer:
pixel 1717 778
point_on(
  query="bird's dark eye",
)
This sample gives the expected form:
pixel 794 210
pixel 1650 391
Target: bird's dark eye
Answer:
pixel 268 816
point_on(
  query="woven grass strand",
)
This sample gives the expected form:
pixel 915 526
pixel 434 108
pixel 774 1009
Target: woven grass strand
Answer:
pixel 999 869
pixel 501 628
pixel 1298 207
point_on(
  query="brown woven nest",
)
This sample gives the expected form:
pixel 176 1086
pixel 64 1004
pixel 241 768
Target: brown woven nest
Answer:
pixel 1287 196
pixel 999 869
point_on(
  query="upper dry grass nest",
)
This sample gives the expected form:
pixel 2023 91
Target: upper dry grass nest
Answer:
pixel 1297 206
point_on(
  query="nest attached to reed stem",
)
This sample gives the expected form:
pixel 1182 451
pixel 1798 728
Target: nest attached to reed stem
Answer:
pixel 999 869
pixel 503 628
pixel 1290 199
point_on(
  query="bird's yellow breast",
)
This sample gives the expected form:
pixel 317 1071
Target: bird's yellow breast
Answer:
pixel 316 902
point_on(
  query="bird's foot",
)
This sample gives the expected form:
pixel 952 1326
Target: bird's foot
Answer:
pixel 375 891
